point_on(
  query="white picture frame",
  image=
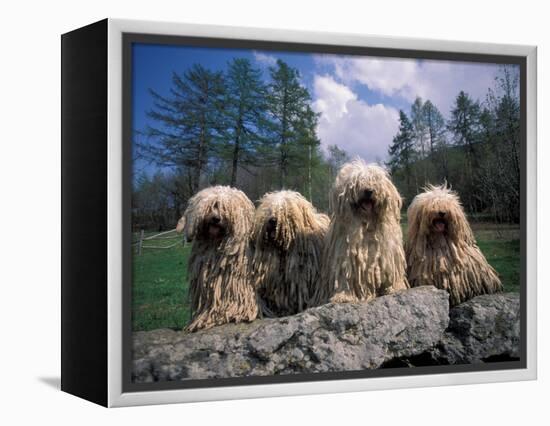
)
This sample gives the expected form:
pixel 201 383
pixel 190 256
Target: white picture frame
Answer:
pixel 116 395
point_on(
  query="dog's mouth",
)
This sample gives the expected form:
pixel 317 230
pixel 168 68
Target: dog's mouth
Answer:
pixel 215 228
pixel 439 225
pixel 366 203
pixel 214 231
pixel 271 229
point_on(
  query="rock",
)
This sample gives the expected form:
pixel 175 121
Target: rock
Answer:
pixel 486 328
pixel 483 329
pixel 405 329
pixel 333 337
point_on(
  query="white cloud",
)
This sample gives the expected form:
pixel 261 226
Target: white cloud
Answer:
pixel 439 81
pixel 352 124
pixel 389 76
pixel 264 58
pixel 331 98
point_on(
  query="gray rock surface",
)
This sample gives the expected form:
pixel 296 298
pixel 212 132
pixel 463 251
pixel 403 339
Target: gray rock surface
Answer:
pixel 408 328
pixel 484 329
pixel 333 337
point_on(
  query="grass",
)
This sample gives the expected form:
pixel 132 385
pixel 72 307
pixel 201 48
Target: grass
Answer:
pixel 159 292
pixel 160 285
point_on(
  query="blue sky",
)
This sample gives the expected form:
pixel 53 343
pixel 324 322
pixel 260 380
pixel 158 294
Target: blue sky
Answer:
pixel 358 97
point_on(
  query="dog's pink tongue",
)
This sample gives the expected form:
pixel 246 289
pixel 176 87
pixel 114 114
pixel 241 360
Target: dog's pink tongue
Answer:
pixel 367 205
pixel 440 226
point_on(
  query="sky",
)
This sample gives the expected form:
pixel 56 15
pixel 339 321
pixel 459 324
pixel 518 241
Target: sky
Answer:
pixel 358 97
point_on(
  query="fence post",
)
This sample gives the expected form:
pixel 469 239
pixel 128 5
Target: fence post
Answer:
pixel 141 233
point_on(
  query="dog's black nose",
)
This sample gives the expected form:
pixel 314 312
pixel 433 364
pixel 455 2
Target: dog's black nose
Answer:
pixel 215 219
pixel 441 214
pixel 272 221
pixel 368 193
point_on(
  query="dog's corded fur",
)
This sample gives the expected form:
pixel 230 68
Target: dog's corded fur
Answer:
pixel 441 248
pixel 180 225
pixel 363 256
pixel 287 238
pixel 219 220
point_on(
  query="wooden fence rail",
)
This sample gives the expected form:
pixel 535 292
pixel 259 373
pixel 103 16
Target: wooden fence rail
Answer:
pixel 159 236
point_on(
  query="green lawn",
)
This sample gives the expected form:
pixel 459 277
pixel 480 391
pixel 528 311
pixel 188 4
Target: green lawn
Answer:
pixel 159 298
pixel 500 245
pixel 160 284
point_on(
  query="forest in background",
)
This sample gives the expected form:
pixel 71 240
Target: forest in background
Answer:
pixel 234 128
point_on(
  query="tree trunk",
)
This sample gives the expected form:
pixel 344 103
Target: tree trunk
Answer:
pixel 236 152
pixel 282 176
pixel 190 182
pixel 198 167
pixel 284 124
pixel 201 156
pixel 309 174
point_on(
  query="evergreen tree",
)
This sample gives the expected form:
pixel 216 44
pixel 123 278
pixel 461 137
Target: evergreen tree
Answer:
pixel 418 121
pixel 434 124
pixel 307 144
pixel 436 141
pixel 289 107
pixel 401 151
pixel 464 122
pixel 244 115
pixel 189 121
pixel 465 129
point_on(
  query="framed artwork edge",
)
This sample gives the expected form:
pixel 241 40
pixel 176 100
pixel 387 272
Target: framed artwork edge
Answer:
pixel 116 395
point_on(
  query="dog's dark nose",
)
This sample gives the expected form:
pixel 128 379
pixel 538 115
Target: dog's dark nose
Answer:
pixel 272 221
pixel 215 219
pixel 441 214
pixel 368 193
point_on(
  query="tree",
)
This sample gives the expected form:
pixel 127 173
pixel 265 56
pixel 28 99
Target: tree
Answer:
pixel 434 124
pixel 401 151
pixel 436 141
pixel 465 128
pixel 464 122
pixel 154 205
pixel 189 121
pixel 506 107
pixel 288 107
pixel 336 159
pixel 244 114
pixel 500 165
pixel 307 142
pixel 418 121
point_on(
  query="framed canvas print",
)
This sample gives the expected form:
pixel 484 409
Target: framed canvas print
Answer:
pixel 251 213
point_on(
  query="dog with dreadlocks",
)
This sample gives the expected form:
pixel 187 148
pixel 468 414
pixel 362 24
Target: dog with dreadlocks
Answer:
pixel 287 237
pixel 363 256
pixel 218 220
pixel 441 249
